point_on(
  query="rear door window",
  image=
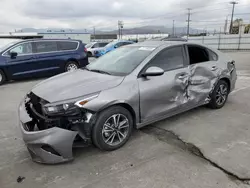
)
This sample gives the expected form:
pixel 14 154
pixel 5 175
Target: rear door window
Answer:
pixel 46 46
pixel 67 45
pixel 102 44
pixel 197 54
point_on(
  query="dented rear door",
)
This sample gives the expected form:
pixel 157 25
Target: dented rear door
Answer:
pixel 203 78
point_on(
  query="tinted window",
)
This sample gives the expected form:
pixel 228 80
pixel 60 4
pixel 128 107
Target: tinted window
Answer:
pixel 96 45
pixel 46 46
pixel 197 54
pixel 102 44
pixel 169 59
pixel 67 45
pixel 121 61
pixel 119 44
pixel 25 48
pixel 125 43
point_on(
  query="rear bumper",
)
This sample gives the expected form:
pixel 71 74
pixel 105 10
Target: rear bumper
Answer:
pixel 84 62
pixel 48 146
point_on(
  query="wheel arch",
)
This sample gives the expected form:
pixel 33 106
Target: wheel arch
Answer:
pixel 5 74
pixel 74 60
pixel 227 80
pixel 124 105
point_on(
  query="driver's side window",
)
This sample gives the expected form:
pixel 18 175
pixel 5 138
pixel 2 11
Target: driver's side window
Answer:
pixel 22 49
pixel 169 59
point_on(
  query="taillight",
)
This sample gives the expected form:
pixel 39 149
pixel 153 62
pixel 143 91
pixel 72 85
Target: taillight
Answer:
pixel 85 49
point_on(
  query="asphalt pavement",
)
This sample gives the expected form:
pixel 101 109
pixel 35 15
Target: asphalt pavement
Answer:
pixel 200 148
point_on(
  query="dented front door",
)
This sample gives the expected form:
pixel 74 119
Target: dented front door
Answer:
pixel 163 94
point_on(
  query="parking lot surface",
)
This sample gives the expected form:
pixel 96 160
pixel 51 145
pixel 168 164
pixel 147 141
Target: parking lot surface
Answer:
pixel 199 148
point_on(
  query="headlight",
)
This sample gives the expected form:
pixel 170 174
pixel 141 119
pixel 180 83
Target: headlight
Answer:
pixel 67 107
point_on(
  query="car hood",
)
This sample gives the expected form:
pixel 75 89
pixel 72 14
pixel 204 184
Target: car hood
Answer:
pixel 74 84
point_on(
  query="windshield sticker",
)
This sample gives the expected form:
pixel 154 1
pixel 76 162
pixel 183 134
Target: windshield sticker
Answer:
pixel 146 48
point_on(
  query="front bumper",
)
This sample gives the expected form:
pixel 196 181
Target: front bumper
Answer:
pixel 50 146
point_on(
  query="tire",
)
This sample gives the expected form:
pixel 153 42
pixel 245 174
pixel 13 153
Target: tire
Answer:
pixel 102 135
pixel 71 66
pixel 89 54
pixel 219 95
pixel 2 77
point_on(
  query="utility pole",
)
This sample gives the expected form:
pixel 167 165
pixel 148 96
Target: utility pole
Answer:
pixel 120 27
pixel 188 21
pixel 225 27
pixel 173 29
pixel 119 33
pixel 232 16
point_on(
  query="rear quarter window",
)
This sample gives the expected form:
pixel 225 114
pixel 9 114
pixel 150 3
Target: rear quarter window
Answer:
pixel 212 55
pixel 67 45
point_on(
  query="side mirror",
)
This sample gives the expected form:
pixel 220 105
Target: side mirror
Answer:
pixel 153 71
pixel 115 46
pixel 13 55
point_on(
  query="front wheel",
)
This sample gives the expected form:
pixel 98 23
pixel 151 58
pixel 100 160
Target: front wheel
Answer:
pixel 71 66
pixel 2 77
pixel 112 128
pixel 219 95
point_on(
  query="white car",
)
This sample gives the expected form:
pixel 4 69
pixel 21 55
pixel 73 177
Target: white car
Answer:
pixel 93 46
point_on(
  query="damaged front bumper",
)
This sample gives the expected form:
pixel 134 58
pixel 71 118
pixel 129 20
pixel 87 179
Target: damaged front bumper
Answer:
pixel 52 145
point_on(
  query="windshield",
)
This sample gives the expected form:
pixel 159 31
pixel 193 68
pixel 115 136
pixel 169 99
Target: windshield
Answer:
pixel 89 45
pixel 122 61
pixel 5 46
pixel 110 44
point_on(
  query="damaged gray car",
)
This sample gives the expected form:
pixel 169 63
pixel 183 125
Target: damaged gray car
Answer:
pixel 128 88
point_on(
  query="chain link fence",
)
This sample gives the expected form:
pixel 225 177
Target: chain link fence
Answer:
pixel 224 42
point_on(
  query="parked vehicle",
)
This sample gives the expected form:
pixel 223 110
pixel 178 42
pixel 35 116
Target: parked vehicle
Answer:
pixel 111 46
pixel 170 38
pixel 95 46
pixel 128 88
pixel 40 58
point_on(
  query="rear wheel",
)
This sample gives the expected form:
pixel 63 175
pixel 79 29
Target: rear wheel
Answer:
pixel 71 66
pixel 112 129
pixel 2 77
pixel 89 54
pixel 219 95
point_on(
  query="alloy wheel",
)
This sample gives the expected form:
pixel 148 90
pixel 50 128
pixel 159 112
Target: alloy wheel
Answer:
pixel 72 67
pixel 115 129
pixel 221 94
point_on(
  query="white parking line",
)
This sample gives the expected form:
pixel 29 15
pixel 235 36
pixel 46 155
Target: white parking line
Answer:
pixel 239 89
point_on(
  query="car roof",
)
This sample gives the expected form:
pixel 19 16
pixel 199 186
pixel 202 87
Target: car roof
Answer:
pixel 158 43
pixel 32 40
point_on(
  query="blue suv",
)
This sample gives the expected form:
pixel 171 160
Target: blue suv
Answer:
pixel 111 46
pixel 40 58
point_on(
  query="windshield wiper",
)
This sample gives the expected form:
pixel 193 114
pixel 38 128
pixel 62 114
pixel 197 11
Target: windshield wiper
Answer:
pixel 99 71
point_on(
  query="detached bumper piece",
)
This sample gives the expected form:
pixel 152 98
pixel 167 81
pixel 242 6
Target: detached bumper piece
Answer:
pixel 50 139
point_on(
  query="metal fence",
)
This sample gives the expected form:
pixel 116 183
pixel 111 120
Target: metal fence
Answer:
pixel 224 42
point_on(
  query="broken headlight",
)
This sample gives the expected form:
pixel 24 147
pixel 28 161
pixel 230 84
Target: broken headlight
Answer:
pixel 67 107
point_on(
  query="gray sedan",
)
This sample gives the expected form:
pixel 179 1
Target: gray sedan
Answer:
pixel 128 88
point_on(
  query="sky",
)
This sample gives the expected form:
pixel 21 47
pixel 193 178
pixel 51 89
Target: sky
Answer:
pixel 104 14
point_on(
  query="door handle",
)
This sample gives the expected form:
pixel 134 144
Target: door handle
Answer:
pixel 182 76
pixel 214 68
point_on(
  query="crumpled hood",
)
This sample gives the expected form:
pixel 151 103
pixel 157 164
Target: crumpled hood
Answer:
pixel 74 84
